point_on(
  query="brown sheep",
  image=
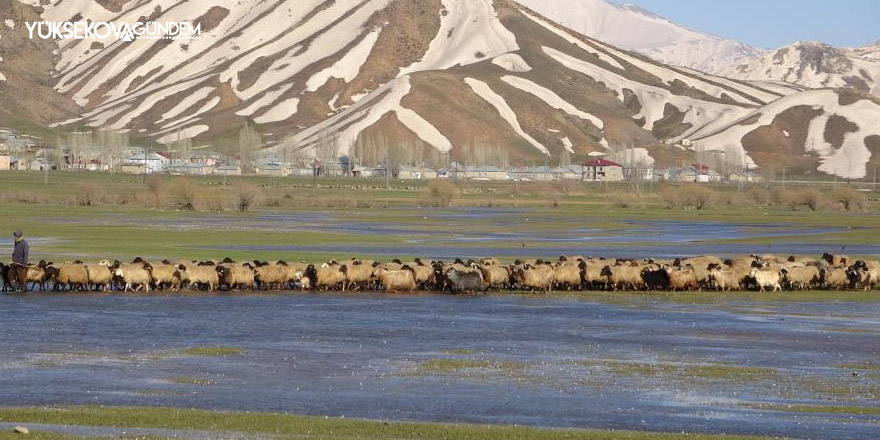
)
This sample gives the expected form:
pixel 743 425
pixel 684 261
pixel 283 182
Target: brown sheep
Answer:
pixel 568 277
pixel 236 276
pixel 166 276
pixel 726 278
pixel 326 277
pixel 834 278
pixel 100 275
pixel 540 277
pixel 403 280
pixel 71 277
pixel 624 276
pixel 200 276
pixel 682 278
pixel 591 271
pixel 134 276
pixel 495 276
pixel 271 276
pixel 800 278
pixel 359 276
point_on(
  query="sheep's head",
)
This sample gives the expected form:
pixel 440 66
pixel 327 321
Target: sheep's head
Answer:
pixel 606 271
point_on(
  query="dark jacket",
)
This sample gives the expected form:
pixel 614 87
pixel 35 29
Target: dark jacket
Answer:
pixel 21 253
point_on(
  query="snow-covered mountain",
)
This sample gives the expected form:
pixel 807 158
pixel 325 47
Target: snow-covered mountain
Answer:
pixel 435 76
pixel 633 28
pixel 816 65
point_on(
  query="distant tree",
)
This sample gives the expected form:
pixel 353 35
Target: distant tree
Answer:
pixel 248 145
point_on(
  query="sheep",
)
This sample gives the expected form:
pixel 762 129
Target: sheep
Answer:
pixel 465 282
pixel 403 280
pixel 326 277
pixel 134 276
pixel 4 277
pixel 236 276
pixel 540 277
pixel 655 277
pixel 100 275
pixel 424 273
pixel 626 275
pixel 800 278
pixel 166 276
pixel 724 278
pixel 495 276
pixel 765 278
pixel 28 277
pixel 865 274
pixel 682 277
pixel 835 260
pixel 271 276
pixel 359 276
pixel 201 276
pixel 569 277
pixel 71 277
pixel 591 274
pixel 834 278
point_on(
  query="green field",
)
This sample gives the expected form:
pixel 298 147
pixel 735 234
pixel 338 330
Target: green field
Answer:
pixel 99 215
pixel 283 426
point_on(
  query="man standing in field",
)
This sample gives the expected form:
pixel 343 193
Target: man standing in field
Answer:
pixel 20 254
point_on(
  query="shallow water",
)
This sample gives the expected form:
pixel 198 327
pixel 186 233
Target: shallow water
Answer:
pixel 366 357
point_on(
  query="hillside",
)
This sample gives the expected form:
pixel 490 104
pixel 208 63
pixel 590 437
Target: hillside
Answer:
pixel 816 65
pixel 633 28
pixel 438 79
pixel 27 97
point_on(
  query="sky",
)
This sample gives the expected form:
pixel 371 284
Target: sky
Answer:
pixel 775 23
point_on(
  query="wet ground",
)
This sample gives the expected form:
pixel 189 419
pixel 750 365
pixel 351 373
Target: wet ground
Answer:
pixel 639 364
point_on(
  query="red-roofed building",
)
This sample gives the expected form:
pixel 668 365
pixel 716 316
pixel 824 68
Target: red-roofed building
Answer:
pixel 602 170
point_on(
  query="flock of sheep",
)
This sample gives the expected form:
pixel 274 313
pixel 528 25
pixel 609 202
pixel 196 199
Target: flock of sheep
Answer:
pixel 765 272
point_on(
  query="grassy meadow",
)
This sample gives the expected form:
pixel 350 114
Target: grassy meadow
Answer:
pixel 284 426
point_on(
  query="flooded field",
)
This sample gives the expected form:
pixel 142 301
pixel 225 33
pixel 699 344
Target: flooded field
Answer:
pixel 805 370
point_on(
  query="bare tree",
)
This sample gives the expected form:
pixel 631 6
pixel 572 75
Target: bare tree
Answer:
pixel 248 145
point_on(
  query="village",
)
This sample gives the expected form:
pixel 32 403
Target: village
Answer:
pixel 21 152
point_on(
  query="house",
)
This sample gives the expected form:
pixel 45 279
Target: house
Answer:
pixel 132 168
pixel 227 170
pixel 196 169
pixel 699 173
pixel 485 173
pixel 642 173
pixel 571 172
pixel 154 163
pixel 602 170
pixel 531 174
pixel 4 162
pixel 416 173
pixel 743 177
pixel 300 171
pixel 272 170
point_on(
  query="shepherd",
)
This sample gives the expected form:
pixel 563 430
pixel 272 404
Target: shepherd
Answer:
pixel 20 254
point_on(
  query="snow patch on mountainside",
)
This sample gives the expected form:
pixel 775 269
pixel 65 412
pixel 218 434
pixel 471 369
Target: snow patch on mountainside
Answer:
pixel 470 32
pixel 633 28
pixel 848 161
pixel 347 125
pixel 484 91
pixel 348 67
pixel 653 100
pixel 512 63
pixel 813 65
pixel 551 98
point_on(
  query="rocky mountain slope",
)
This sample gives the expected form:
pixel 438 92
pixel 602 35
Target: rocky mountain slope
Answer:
pixel 633 28
pixel 816 65
pixel 439 77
